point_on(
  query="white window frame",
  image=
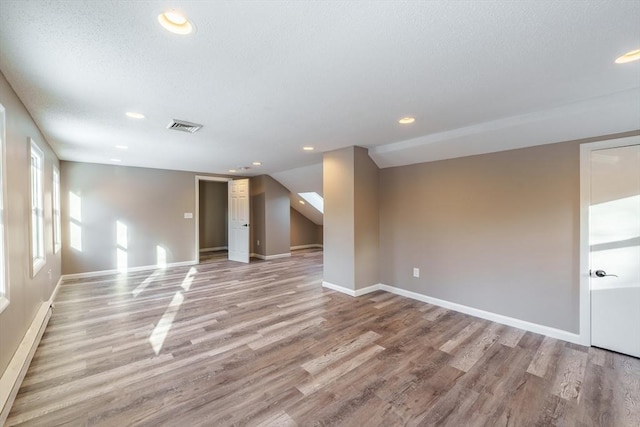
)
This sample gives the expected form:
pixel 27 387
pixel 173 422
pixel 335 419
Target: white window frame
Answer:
pixel 55 211
pixel 4 265
pixel 38 257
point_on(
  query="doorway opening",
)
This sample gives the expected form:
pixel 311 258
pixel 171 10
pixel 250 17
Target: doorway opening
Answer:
pixel 211 218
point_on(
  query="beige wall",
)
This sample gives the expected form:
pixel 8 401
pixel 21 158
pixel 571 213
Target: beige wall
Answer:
pixel 351 218
pixel 278 222
pixel 258 203
pixel 150 202
pixel 270 206
pixel 339 230
pixel 213 214
pixel 498 232
pixel 26 294
pixel 367 220
pixel 303 230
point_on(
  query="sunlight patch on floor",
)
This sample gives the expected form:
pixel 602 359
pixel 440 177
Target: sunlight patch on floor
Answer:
pixel 186 283
pixel 161 330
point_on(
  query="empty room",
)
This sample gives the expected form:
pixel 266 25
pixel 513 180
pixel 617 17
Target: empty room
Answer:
pixel 320 213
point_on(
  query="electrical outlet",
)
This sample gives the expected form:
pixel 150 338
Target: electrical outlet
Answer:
pixel 258 242
pixel 188 215
pixel 416 272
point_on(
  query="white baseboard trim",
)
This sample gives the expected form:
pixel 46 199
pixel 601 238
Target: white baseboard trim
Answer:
pixel 338 288
pixel 351 292
pixel 494 317
pixel 313 245
pixel 129 270
pixel 367 290
pixel 269 257
pixel 16 370
pixel 218 248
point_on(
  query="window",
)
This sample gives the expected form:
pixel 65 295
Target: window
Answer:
pixel 37 210
pixel 57 240
pixel 314 199
pixel 4 276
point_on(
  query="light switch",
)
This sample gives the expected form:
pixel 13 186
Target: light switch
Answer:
pixel 188 215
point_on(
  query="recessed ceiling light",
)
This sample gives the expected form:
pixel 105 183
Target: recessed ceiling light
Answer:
pixel 232 170
pixel 122 147
pixel 301 202
pixel 308 148
pixel 406 120
pixel 256 163
pixel 134 115
pixel 634 55
pixel 175 22
pixel 116 160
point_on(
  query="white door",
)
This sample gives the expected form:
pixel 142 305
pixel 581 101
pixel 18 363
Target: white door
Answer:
pixel 239 220
pixel 614 240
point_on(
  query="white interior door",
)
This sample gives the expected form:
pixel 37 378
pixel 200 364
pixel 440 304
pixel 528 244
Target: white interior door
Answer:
pixel 239 220
pixel 614 240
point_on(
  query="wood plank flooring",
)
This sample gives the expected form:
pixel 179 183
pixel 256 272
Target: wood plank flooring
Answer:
pixel 264 344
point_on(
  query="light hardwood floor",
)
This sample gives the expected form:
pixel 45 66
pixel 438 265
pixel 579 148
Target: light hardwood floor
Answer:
pixel 264 344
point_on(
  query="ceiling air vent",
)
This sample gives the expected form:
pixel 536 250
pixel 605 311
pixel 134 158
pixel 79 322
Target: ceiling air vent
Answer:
pixel 184 126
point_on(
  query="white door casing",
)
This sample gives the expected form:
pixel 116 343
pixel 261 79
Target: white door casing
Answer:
pixel 239 220
pixel 614 239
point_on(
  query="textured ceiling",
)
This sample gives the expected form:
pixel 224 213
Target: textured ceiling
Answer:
pixel 266 78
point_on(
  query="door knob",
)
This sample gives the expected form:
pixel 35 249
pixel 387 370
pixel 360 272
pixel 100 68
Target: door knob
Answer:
pixel 602 273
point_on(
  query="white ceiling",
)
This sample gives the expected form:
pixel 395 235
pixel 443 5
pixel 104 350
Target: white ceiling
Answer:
pixel 266 78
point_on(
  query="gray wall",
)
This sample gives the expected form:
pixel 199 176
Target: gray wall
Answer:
pixel 498 232
pixel 303 230
pixel 213 214
pixel 26 294
pixel 270 206
pixel 150 202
